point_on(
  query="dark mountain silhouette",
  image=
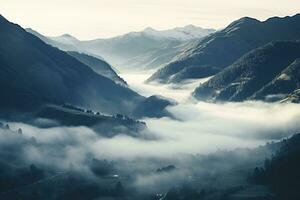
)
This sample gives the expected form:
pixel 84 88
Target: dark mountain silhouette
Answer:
pixel 256 75
pixel 69 115
pixel 219 50
pixel 33 73
pixel 281 171
pixel 153 106
pixel 287 82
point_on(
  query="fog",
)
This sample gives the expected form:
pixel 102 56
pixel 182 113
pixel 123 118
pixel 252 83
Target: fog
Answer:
pixel 199 128
pixel 205 128
pixel 179 92
pixel 199 143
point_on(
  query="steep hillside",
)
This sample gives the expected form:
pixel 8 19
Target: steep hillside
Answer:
pixel 252 76
pixel 219 50
pixel 281 171
pixel 288 81
pixel 68 115
pixel 33 73
pixel 99 66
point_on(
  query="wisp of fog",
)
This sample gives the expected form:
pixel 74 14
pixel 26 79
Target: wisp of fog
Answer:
pixel 199 128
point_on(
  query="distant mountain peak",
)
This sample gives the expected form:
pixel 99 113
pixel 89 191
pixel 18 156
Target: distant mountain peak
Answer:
pixel 149 29
pixel 187 32
pixel 34 32
pixel 190 26
pixel 193 27
pixel 248 19
pixel 242 22
pixel 65 38
pixel 67 35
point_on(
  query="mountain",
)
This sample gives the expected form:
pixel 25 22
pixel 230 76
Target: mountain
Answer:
pixel 188 32
pixel 154 106
pixel 281 171
pixel 33 73
pixel 286 82
pixel 66 46
pixel 96 63
pixel 65 39
pixel 99 66
pixel 213 53
pixel 269 71
pixel 294 97
pixel 69 115
pixel 148 49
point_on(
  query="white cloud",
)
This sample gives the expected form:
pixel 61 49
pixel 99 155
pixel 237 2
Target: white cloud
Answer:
pixel 205 128
pixel 202 128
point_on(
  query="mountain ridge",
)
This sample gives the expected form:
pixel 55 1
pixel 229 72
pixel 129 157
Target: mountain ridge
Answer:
pixel 244 79
pixel 213 53
pixel 99 66
pixel 148 49
pixel 45 74
pixel 187 28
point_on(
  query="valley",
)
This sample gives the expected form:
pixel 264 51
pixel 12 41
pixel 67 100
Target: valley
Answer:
pixel 187 113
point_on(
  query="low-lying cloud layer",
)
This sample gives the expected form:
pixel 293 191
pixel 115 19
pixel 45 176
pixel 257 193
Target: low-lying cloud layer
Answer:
pixel 206 127
pixel 200 129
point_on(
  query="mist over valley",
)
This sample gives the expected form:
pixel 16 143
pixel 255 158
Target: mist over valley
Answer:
pixel 179 114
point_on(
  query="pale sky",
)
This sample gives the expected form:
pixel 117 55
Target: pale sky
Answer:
pixel 88 19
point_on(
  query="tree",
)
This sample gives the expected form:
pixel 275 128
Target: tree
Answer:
pixel 119 189
pixel 20 131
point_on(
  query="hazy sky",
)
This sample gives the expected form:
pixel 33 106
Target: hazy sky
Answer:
pixel 87 19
